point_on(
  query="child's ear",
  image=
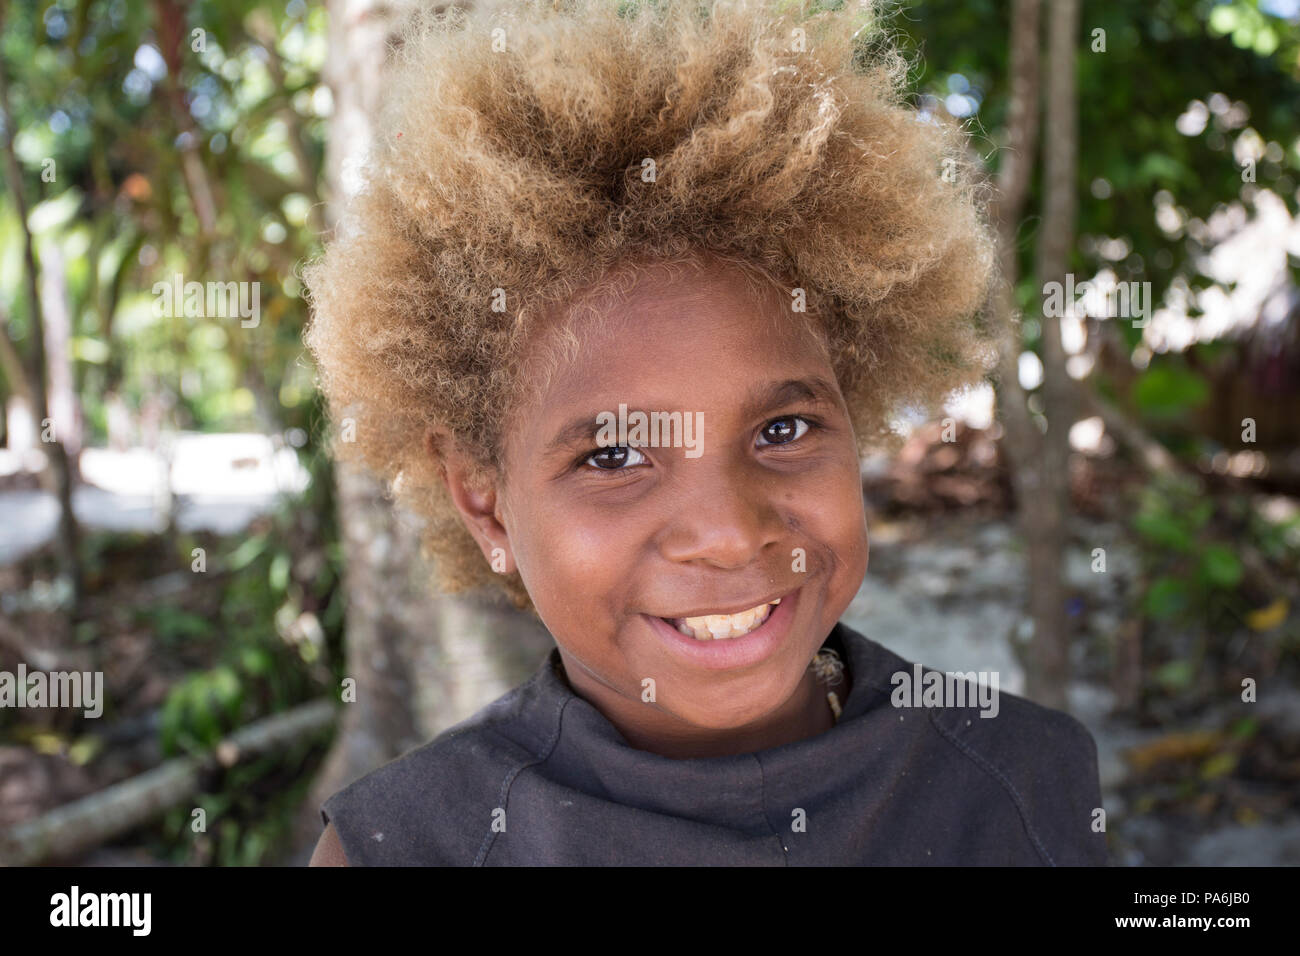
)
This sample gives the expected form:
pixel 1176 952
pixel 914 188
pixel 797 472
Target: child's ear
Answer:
pixel 475 496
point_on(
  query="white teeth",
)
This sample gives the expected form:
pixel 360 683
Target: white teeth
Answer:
pixel 719 627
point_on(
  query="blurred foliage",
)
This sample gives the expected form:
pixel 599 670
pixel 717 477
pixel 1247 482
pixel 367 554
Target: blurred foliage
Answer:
pixel 172 138
pixel 248 809
pixel 1169 389
pixel 1159 57
pixel 1173 96
pixel 1194 552
pixel 279 625
pixel 1233 68
pixel 137 126
pixel 277 642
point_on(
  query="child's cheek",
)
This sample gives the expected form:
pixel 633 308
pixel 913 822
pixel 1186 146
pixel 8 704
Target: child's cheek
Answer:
pixel 568 554
pixel 836 521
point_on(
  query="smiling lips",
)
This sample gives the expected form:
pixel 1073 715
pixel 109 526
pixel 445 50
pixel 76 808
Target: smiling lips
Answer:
pixel 717 627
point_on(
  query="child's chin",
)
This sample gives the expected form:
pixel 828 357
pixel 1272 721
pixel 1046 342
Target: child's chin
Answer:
pixel 726 713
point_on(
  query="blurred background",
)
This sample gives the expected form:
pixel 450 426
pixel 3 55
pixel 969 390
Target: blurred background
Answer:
pixel 1115 529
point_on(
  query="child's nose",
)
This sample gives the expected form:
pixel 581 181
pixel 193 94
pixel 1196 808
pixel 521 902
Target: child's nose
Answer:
pixel 726 522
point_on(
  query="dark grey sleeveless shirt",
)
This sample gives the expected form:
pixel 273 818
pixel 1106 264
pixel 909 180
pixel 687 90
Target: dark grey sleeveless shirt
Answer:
pixel 540 777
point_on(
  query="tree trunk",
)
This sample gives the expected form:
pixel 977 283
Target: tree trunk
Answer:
pixel 58 477
pixel 57 313
pixel 1021 440
pixel 421 661
pixel 11 362
pixel 1046 511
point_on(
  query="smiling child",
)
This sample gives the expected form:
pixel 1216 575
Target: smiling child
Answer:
pixel 719 221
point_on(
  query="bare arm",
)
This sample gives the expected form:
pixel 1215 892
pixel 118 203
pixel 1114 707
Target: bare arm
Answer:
pixel 329 851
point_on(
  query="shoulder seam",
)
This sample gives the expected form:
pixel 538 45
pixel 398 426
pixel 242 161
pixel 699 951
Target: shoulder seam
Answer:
pixel 508 781
pixel 984 764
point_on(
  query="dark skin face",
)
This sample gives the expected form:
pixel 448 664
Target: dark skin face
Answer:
pixel 607 538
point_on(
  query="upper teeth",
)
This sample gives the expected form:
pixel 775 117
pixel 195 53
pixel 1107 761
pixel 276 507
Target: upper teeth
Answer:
pixel 720 626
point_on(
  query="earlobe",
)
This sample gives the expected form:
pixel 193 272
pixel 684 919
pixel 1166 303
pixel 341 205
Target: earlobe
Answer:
pixel 475 498
pixel 477 507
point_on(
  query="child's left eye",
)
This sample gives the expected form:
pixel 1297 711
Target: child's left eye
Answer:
pixel 783 431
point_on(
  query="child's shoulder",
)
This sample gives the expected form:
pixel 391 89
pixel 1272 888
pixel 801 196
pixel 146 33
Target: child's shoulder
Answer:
pixel 1042 761
pixel 460 778
pixel 982 715
pixel 1045 761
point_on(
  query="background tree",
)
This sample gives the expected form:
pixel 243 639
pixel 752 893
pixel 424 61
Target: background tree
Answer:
pixel 422 661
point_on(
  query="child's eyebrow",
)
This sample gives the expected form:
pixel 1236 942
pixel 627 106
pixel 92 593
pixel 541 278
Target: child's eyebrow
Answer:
pixel 582 429
pixel 776 394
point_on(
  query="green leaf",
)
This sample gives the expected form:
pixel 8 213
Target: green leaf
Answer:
pixel 1265 41
pixel 256 661
pixel 1223 19
pixel 1200 513
pixel 1221 566
pixel 1169 390
pixel 1220 765
pixel 1163 530
pixel 1157 167
pixel 1176 675
pixel 175 624
pixel 1167 597
pixel 1245 728
pixel 279 573
pixel 247 552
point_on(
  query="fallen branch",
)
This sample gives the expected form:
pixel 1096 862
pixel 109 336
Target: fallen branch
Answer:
pixel 41 658
pixel 76 827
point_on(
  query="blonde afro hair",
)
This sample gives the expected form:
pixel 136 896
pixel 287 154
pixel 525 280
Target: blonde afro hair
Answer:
pixel 526 150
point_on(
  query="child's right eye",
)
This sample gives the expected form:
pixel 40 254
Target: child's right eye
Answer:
pixel 614 458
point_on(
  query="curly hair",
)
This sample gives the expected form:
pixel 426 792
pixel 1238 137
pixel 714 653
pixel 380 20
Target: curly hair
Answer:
pixel 525 152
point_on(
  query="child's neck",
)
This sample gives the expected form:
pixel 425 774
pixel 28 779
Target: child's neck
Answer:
pixel 807 713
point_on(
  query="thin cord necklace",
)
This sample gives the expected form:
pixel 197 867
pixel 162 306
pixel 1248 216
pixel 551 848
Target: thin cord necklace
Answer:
pixel 830 669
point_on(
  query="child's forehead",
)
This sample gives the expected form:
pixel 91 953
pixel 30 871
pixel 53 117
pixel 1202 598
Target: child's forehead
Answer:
pixel 658 285
pixel 664 340
pixel 635 304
